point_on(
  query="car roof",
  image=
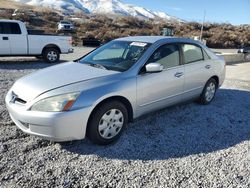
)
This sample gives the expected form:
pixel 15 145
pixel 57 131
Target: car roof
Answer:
pixel 153 39
pixel 148 39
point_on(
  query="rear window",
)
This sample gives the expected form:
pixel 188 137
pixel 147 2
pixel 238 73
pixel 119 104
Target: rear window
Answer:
pixel 9 28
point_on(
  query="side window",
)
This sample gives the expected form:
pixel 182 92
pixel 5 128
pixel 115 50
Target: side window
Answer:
pixel 9 28
pixel 2 28
pixel 167 55
pixel 206 56
pixel 14 28
pixel 192 53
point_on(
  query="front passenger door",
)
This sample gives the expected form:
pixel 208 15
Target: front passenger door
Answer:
pixel 157 90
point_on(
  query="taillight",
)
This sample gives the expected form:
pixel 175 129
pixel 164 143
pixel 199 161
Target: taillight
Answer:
pixel 70 40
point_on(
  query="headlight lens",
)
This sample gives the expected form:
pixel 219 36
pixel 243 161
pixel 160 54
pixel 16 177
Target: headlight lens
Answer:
pixel 56 104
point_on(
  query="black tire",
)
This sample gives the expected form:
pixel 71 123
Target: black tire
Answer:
pixel 93 132
pixel 247 57
pixel 203 99
pixel 51 55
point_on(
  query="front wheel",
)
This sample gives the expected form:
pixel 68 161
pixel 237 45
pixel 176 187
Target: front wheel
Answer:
pixel 51 55
pixel 107 123
pixel 208 92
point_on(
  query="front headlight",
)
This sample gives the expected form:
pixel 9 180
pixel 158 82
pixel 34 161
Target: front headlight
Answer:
pixel 56 104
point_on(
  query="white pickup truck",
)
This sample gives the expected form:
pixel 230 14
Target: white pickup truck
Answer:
pixel 15 40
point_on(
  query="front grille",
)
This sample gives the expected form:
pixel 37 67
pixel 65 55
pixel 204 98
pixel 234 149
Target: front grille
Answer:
pixel 19 100
pixel 15 98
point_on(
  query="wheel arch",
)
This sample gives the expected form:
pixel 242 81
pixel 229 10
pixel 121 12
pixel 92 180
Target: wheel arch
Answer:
pixel 51 46
pixel 121 99
pixel 216 78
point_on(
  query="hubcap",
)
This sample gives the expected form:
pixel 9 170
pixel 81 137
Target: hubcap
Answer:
pixel 52 56
pixel 210 91
pixel 111 123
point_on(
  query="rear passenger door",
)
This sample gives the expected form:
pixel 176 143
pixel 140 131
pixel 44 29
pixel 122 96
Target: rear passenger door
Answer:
pixel 4 40
pixel 197 70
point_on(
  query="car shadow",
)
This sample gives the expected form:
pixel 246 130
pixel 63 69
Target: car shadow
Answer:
pixel 179 131
pixel 25 64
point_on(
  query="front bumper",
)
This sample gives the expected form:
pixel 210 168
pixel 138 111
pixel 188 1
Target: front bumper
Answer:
pixel 55 126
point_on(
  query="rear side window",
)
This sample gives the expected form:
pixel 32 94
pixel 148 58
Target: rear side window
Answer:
pixel 192 53
pixel 206 56
pixel 9 28
pixel 14 28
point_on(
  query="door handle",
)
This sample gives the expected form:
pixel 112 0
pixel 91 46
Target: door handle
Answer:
pixel 208 66
pixel 179 74
pixel 5 38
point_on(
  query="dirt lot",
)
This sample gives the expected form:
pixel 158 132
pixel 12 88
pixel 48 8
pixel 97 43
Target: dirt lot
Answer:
pixel 182 146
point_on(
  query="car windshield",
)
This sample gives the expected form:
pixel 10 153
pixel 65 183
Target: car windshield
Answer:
pixel 116 55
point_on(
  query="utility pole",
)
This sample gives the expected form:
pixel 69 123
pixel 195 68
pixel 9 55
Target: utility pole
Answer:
pixel 203 25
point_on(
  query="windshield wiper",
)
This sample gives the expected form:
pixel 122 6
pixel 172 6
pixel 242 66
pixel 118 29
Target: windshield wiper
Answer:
pixel 93 64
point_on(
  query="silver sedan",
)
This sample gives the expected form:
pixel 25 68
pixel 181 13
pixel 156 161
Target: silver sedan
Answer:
pixel 98 94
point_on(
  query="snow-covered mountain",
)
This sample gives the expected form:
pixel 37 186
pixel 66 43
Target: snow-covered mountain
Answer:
pixel 100 6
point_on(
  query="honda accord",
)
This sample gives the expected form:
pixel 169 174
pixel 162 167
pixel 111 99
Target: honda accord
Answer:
pixel 97 95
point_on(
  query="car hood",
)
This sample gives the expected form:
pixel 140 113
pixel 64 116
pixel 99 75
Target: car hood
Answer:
pixel 35 84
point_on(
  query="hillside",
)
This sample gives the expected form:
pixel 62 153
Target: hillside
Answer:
pixel 109 7
pixel 107 28
pixel 5 4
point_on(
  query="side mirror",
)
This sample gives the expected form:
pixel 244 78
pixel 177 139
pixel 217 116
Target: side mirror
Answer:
pixel 154 67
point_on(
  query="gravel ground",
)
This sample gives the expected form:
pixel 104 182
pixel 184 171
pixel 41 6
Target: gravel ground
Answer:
pixel 183 146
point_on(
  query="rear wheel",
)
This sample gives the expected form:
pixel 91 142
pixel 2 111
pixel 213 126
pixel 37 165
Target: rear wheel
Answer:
pixel 107 123
pixel 51 55
pixel 208 92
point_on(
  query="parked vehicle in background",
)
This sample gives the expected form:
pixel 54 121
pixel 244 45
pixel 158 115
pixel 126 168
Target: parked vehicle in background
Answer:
pixel 246 51
pixel 101 92
pixel 90 41
pixel 16 40
pixel 65 26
